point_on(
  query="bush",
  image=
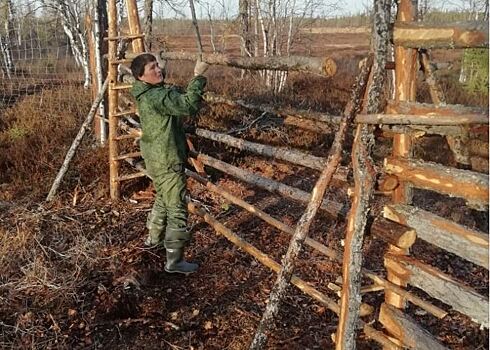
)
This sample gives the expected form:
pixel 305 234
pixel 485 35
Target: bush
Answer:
pixel 37 132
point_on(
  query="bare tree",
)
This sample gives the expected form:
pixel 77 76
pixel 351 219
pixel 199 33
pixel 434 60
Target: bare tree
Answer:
pixel 5 40
pixel 71 13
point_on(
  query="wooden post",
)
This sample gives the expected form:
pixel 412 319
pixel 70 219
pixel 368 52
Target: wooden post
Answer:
pixel 134 26
pixel 113 102
pixel 364 179
pixel 406 67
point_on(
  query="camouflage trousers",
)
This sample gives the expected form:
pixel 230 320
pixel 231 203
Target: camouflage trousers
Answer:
pixel 167 220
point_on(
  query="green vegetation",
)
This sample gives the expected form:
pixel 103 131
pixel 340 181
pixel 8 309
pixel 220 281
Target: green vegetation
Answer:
pixel 475 67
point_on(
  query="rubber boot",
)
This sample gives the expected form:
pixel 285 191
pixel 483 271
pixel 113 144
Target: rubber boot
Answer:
pixel 177 264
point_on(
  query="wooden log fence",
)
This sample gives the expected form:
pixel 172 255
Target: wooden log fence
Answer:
pixel 328 252
pixel 334 209
pixel 401 224
pixel 370 332
pixel 283 153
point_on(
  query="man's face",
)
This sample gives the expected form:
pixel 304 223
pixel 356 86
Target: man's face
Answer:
pixel 153 74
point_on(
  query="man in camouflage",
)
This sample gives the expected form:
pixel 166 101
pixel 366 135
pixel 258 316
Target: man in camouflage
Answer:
pixel 163 146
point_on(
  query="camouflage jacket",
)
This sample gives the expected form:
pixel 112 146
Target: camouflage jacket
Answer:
pixel 161 109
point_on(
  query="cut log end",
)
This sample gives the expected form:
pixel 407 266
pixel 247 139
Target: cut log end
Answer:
pixel 329 67
pixel 394 233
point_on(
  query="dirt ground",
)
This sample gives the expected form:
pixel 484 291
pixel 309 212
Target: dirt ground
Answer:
pixel 74 273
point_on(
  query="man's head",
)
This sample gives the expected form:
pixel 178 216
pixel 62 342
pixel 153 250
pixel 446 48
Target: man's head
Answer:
pixel 146 68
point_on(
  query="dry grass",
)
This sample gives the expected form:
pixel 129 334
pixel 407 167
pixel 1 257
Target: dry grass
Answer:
pixel 37 131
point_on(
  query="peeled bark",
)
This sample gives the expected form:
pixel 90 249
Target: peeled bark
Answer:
pixel 324 66
pixel 443 36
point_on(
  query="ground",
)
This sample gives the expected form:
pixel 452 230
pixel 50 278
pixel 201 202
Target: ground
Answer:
pixel 76 275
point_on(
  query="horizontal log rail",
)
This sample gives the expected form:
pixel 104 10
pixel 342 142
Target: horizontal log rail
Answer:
pixel 328 252
pixel 299 283
pixel 471 186
pixel 416 108
pixel 409 119
pixel 420 130
pixel 283 153
pixel 282 111
pixel 393 232
pixel 332 208
pixel 412 335
pixel 325 66
pixel 458 35
pixel 440 286
pixel 448 235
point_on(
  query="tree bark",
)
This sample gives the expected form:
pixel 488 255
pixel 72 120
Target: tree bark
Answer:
pixel 364 179
pixel 148 23
pixel 415 108
pixel 394 233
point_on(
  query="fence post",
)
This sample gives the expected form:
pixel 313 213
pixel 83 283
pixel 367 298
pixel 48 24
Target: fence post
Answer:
pixel 406 66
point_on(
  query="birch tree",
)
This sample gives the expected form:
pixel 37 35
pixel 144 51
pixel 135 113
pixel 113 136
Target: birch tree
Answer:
pixel 71 13
pixel 6 39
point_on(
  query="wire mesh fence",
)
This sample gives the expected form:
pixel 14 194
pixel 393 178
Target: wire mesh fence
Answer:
pixel 35 52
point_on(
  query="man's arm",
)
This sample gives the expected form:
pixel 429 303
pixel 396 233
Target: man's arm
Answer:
pixel 183 104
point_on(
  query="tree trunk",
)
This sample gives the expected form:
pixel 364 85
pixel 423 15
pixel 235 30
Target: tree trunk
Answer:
pixel 148 23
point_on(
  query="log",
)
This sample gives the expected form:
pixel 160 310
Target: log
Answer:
pixel 457 239
pixel 458 35
pixel 279 290
pixel 331 253
pixel 470 185
pixel 324 66
pixel 364 180
pixel 406 68
pixel 409 119
pixel 114 185
pixel 421 130
pixel 291 155
pixel 300 284
pixel 332 208
pixel 319 117
pixel 407 330
pixel 393 232
pixel 135 27
pixel 415 108
pixel 441 286
pixel 76 142
pixel 387 183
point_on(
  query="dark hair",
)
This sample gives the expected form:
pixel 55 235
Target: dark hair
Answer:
pixel 139 63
